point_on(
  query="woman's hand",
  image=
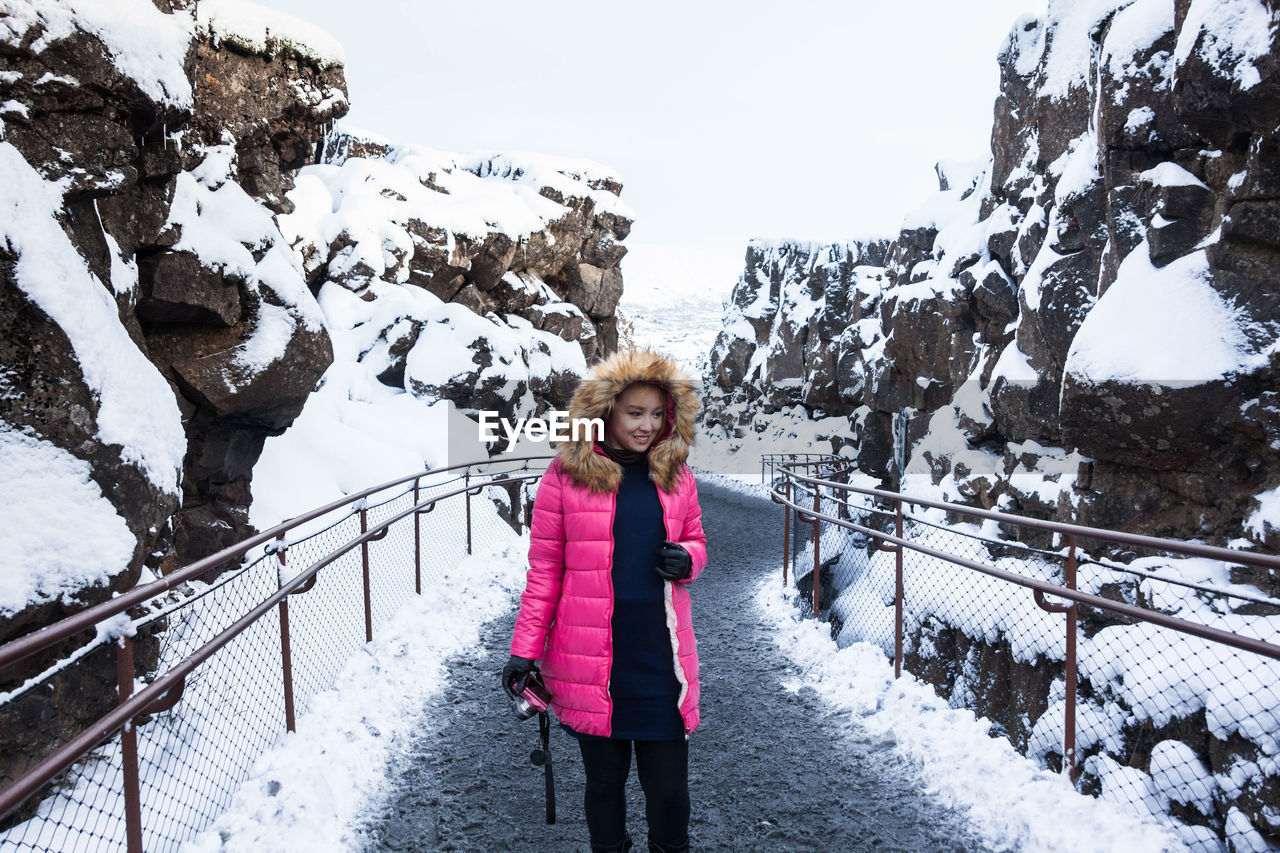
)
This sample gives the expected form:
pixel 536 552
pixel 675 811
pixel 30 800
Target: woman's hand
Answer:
pixel 674 562
pixel 511 673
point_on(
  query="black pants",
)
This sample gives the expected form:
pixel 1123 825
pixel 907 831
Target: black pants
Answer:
pixel 663 767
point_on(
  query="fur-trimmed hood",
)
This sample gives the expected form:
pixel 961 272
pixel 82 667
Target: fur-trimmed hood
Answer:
pixel 595 398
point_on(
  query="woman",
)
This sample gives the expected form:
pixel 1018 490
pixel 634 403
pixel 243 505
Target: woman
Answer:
pixel 617 537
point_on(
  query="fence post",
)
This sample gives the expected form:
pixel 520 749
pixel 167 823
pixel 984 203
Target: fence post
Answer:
pixel 467 494
pixel 286 656
pixel 1069 723
pixel 417 541
pixel 897 593
pixel 129 749
pixel 817 535
pixel 786 531
pixel 364 558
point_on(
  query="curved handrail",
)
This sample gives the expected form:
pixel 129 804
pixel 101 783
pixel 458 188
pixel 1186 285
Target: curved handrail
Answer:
pixel 1194 549
pixel 172 680
pixel 37 641
pixel 1040 587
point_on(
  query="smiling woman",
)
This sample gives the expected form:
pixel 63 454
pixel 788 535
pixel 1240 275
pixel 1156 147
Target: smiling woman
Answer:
pixel 637 418
pixel 616 540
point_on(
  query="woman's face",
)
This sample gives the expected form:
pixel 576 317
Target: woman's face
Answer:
pixel 637 418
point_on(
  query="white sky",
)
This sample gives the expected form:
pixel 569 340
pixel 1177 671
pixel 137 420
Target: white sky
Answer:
pixel 816 120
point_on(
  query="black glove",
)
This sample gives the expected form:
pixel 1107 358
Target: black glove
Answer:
pixel 674 562
pixel 516 667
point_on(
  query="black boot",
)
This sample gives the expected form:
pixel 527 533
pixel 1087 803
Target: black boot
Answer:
pixel 682 848
pixel 620 847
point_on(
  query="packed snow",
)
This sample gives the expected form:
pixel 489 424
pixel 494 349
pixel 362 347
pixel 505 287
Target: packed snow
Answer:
pixel 63 535
pixel 311 791
pixel 263 31
pixel 136 407
pixel 145 44
pixel 1178 329
pixel 1139 675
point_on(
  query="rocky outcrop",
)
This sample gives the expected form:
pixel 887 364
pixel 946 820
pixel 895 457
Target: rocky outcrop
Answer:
pixel 170 169
pixel 511 261
pixel 156 325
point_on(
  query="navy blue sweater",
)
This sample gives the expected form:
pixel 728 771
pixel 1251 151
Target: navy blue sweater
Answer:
pixel 642 682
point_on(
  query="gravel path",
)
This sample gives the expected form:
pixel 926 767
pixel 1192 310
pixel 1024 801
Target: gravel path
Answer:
pixel 769 770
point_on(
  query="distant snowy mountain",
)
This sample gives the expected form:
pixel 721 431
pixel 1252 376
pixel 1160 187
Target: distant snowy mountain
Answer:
pixel 673 298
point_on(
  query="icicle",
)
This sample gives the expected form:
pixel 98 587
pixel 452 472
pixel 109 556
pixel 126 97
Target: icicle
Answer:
pixel 164 131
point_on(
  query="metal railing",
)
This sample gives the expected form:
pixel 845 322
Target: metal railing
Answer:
pixel 1132 674
pixel 221 681
pixel 829 463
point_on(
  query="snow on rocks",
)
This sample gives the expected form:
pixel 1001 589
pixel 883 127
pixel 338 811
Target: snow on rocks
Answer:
pixel 1134 30
pixel 1230 36
pixel 1180 776
pixel 234 235
pixel 135 408
pixel 1001 298
pixel 448 284
pixel 146 45
pixel 1180 329
pixel 524 235
pixel 257 29
pixel 43 557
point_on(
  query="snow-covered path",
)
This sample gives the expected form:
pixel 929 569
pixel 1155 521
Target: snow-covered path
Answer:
pixel 770 769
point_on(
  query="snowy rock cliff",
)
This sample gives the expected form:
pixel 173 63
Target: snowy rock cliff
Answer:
pixel 528 244
pixel 175 286
pixel 450 284
pixel 1084 327
pixel 1098 296
pixel 158 326
pixel 155 325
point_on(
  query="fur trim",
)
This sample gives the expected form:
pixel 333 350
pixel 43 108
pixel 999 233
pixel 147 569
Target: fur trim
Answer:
pixel 595 398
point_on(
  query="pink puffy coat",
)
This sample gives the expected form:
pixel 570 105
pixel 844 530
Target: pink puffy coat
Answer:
pixel 567 606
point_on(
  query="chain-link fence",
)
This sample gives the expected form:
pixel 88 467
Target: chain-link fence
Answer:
pixel 1133 664
pixel 213 670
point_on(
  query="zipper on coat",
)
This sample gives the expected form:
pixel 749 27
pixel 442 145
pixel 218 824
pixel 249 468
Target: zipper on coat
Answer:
pixel 608 675
pixel 673 624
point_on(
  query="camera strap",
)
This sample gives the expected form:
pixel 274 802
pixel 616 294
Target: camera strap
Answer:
pixel 544 731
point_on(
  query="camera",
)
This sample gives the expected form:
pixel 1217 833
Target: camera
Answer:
pixel 530 695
